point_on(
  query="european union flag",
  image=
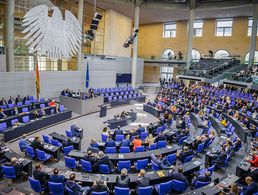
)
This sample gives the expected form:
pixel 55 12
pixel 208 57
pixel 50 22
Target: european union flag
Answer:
pixel 87 83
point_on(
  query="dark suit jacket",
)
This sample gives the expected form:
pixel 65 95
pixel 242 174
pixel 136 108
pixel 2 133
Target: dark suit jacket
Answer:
pixel 160 138
pixel 18 100
pixel 178 176
pixel 90 159
pixel 2 115
pixel 17 168
pixel 3 102
pixel 250 189
pixel 118 132
pixel 183 155
pixel 98 188
pixel 76 188
pixel 41 176
pixel 143 181
pixel 57 179
pixel 123 181
pixel 203 178
pixel 36 145
pixel 11 101
pixel 125 142
pixel 110 143
pixel 104 160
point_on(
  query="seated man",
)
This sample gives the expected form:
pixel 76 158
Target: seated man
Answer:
pixel 162 163
pixel 140 129
pixel 110 142
pixel 102 159
pixel 90 157
pixel 2 114
pixel 38 174
pixel 75 187
pixel 57 178
pixel 118 131
pixel 251 187
pixel 36 143
pixel 67 142
pixel 202 178
pixel 196 142
pixel 99 186
pixel 185 153
pixel 142 180
pixel 178 175
pixel 160 137
pixel 17 166
pixel 125 142
pixel 220 157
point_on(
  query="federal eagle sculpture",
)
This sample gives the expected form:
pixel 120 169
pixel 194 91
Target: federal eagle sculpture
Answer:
pixel 52 36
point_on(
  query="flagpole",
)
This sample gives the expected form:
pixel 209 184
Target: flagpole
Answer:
pixel 36 68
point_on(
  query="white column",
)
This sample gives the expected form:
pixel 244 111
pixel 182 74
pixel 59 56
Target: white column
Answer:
pixel 80 19
pixel 10 36
pixel 135 44
pixel 253 36
pixel 190 38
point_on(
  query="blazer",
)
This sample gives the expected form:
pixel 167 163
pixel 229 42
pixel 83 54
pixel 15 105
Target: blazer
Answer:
pixel 41 176
pixel 57 179
pixel 2 115
pixel 143 181
pixel 123 181
pixel 98 188
pixel 250 189
pixel 104 160
pixel 183 155
pixel 90 159
pixel 178 176
pixel 110 143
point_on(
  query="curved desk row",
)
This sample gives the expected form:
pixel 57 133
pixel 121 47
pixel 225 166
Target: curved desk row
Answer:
pixel 89 178
pixel 152 110
pixel 114 123
pixel 15 132
pixel 133 156
pixel 196 120
pixel 10 111
pixel 241 131
pixel 128 100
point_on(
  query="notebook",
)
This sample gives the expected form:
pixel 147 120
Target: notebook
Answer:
pixel 161 173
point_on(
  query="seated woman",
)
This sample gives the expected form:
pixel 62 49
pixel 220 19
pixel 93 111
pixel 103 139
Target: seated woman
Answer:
pixel 236 115
pixel 254 159
pixel 223 122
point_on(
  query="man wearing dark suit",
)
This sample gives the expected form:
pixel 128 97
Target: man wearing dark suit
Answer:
pixel 103 159
pixel 57 178
pixel 11 100
pixel 185 153
pixel 99 186
pixel 3 102
pixel 18 99
pixel 110 143
pixel 202 178
pixel 90 157
pixel 38 174
pixel 221 157
pixel 140 129
pixel 118 131
pixel 251 187
pixel 157 158
pixel 178 175
pixel 142 180
pixel 125 142
pixel 160 137
pixel 25 99
pixel 123 180
pixel 2 114
pixel 36 144
pixel 75 187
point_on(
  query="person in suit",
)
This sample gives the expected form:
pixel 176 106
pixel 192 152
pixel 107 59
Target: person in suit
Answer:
pixel 220 157
pixel 185 153
pixel 160 137
pixel 11 100
pixel 110 142
pixel 2 114
pixel 178 175
pixel 41 112
pixel 123 180
pixel 118 131
pixel 202 178
pixel 18 99
pixel 103 159
pixel 142 180
pixel 125 142
pixel 251 187
pixel 56 178
pixel 3 102
pixel 17 166
pixel 90 157
pixel 36 143
pixel 15 111
pixel 40 175
pixel 75 187
pixel 196 142
pixel 99 186
pixel 140 129
pixel 93 143
pixel 162 163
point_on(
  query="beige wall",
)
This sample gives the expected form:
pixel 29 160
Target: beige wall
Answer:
pixel 152 43
pixel 117 30
pixel 151 74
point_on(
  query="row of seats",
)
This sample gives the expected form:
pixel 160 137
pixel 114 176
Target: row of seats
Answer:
pixel 27 102
pixel 114 89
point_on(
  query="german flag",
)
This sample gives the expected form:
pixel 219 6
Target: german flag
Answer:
pixel 37 77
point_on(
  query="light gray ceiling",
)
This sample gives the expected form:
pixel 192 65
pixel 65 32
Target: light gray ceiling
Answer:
pixel 154 11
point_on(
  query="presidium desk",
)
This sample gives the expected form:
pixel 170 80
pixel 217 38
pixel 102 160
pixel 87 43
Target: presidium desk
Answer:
pixel 82 107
